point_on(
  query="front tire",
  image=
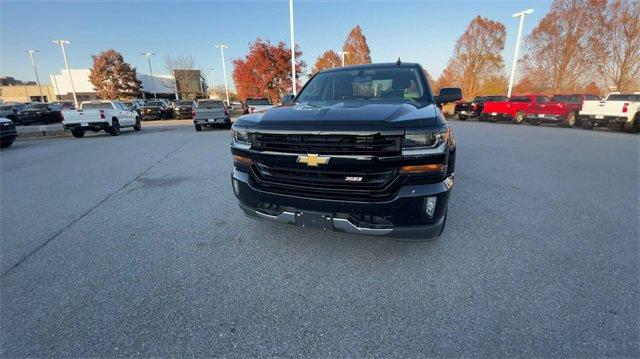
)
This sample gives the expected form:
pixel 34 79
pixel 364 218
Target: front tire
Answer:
pixel 587 124
pixel 77 133
pixel 632 126
pixel 6 144
pixel 138 125
pixel 198 128
pixel 571 120
pixel 115 128
pixel 519 119
pixel 462 117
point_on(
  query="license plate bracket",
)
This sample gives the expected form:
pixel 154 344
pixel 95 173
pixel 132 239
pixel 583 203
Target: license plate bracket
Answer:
pixel 599 117
pixel 317 220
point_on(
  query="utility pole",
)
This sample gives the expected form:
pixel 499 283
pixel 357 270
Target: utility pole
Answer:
pixel 153 81
pixel 224 70
pixel 342 53
pixel 35 70
pixel 57 89
pixel 175 84
pixel 515 56
pixel 293 49
pixel 66 64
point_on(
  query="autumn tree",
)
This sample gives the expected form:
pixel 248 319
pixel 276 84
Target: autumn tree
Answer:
pixel 558 54
pixel 476 57
pixel 327 60
pixel 266 70
pixel 112 77
pixel 356 47
pixel 617 45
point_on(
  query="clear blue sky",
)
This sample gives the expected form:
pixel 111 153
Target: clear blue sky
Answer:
pixel 415 31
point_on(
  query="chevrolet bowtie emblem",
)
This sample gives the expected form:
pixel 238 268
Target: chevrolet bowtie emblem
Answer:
pixel 313 160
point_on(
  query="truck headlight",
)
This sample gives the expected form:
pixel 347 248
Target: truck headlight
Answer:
pixel 241 138
pixel 416 143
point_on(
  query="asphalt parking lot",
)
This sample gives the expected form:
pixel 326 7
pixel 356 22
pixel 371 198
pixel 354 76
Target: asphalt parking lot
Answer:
pixel 134 246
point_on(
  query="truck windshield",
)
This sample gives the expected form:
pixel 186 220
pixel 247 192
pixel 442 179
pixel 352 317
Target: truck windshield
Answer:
pixel 520 99
pixel 184 103
pixel 210 104
pixel 38 106
pixel 257 102
pixel 390 82
pixel 566 98
pixel 154 103
pixel 623 97
pixel 97 106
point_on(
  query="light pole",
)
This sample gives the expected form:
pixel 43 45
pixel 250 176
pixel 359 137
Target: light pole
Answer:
pixel 224 70
pixel 342 53
pixel 35 70
pixel 153 81
pixel 213 81
pixel 515 56
pixel 293 49
pixel 66 64
pixel 57 90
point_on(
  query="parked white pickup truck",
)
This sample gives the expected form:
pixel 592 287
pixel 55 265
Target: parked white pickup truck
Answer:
pixel 109 116
pixel 617 110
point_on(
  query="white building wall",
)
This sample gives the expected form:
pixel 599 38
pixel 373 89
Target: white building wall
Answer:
pixel 164 84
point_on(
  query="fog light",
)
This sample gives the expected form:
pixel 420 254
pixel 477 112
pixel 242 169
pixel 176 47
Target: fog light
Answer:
pixel 430 206
pixel 236 187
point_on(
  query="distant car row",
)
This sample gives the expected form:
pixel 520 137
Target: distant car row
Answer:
pixel 617 111
pixel 46 113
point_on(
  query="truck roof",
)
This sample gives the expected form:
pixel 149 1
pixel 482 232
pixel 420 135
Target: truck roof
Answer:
pixel 375 65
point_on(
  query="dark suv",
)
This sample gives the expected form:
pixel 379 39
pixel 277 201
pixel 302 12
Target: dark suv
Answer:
pixel 361 149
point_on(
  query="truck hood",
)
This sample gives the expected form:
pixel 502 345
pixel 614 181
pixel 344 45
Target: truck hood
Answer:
pixel 389 113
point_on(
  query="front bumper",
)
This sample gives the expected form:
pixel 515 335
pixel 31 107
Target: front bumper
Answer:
pixel 402 216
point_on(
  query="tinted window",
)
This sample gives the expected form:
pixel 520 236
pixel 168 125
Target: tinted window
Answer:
pixel 623 97
pixel 364 84
pixel 210 104
pixel 5 108
pixel 184 103
pixel 520 99
pixel 38 106
pixel 542 99
pixel 154 103
pixel 97 106
pixel 257 102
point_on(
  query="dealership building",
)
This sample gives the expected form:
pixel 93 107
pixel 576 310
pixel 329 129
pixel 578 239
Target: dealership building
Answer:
pixel 163 85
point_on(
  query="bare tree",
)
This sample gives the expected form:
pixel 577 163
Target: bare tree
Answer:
pixel 188 83
pixel 179 62
pixel 617 43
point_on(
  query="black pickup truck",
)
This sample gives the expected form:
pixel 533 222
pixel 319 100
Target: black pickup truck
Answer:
pixel 464 110
pixel 361 149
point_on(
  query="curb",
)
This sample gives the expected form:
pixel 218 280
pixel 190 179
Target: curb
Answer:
pixel 40 131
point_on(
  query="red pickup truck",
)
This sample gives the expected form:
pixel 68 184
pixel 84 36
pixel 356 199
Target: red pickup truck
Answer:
pixel 513 110
pixel 561 110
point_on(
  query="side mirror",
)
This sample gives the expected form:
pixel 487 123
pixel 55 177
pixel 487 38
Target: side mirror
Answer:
pixel 448 94
pixel 287 99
